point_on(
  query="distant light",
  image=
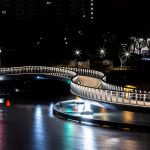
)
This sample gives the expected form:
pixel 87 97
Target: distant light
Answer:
pixel 130 86
pixel 77 52
pixel 1 100
pixel 4 12
pixel 69 81
pixel 7 103
pixel 48 3
pixel 16 90
pixel 102 52
pixel 65 38
pixel 1 78
pixel 127 54
pixel 38 77
pixel 0 50
pixel 80 32
pixel 140 39
pixel 38 42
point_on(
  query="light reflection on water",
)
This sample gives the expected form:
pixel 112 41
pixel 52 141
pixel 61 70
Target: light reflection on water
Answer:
pixel 51 110
pixel 128 116
pixel 69 131
pixel 39 138
pixel 1 131
pixel 88 138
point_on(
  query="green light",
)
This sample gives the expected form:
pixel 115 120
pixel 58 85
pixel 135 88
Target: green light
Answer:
pixel 69 81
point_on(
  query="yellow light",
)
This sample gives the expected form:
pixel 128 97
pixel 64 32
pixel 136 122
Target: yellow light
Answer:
pixel 78 98
pixel 130 86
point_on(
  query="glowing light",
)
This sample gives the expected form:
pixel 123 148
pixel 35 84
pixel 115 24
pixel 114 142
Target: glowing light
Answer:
pixel 39 130
pixel 1 100
pixel 128 116
pixel 69 81
pixel 127 54
pixel 88 142
pixel 77 52
pixel 87 112
pixel 48 3
pixel 130 86
pixel 78 98
pixel 1 78
pixel 39 77
pixel 51 110
pixel 8 103
pixel 141 39
pixel 16 90
pixel 4 12
pixel 102 52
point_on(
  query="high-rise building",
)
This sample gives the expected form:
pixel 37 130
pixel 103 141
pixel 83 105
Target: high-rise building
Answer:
pixel 74 11
pixel 61 11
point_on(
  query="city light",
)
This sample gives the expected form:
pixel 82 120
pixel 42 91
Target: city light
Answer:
pixel 77 52
pixel 127 54
pixel 1 100
pixel 102 52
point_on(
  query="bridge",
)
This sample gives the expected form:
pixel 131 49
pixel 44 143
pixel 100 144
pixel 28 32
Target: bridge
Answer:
pixel 88 84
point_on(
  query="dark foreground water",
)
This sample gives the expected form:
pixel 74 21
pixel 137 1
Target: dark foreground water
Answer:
pixel 29 124
pixel 34 127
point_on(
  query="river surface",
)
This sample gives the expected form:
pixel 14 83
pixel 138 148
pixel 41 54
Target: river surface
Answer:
pixel 28 123
pixel 34 127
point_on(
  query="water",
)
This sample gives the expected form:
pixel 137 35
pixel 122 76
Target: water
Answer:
pixel 34 127
pixel 29 124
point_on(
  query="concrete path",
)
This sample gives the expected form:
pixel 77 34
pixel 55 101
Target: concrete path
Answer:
pixel 89 81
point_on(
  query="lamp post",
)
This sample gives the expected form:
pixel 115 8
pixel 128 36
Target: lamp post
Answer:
pixel 124 58
pixel 102 52
pixel 77 53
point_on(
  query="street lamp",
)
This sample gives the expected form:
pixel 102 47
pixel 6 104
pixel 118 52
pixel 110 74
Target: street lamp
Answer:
pixel 102 52
pixel 77 53
pixel 124 58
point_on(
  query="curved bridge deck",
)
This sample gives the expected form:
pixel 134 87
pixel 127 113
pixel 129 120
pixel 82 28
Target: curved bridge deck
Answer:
pixel 89 84
pixel 89 81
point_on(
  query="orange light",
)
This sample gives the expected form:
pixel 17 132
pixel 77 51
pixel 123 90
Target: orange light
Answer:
pixel 78 98
pixel 7 103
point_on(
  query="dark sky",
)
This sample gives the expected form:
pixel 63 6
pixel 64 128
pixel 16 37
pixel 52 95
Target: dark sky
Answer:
pixel 125 14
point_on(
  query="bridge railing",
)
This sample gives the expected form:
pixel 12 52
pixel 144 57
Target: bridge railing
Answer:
pixel 56 71
pixel 99 75
pixel 111 96
pixel 86 72
pixel 107 92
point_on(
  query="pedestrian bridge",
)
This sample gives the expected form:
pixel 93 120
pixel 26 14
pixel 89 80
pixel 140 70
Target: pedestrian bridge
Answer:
pixel 88 84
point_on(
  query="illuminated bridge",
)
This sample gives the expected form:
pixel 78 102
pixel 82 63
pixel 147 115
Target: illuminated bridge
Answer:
pixel 88 84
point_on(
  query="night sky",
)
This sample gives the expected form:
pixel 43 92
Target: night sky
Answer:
pixel 123 16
